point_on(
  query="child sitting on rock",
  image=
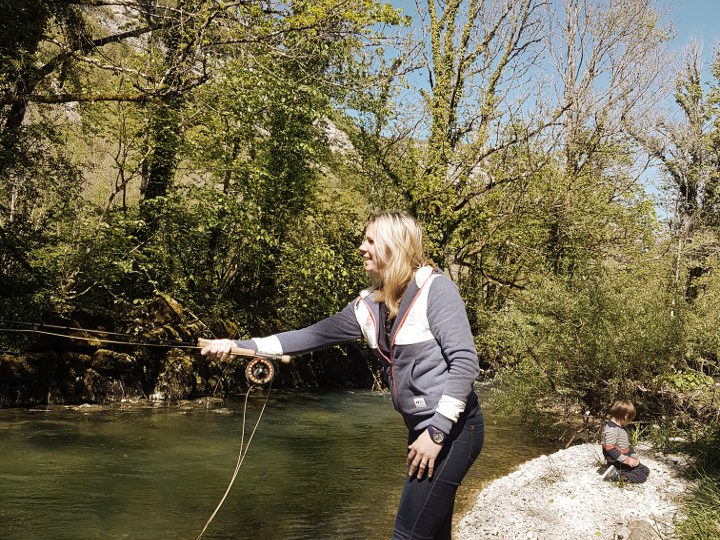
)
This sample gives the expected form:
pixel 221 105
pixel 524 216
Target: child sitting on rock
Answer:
pixel 619 453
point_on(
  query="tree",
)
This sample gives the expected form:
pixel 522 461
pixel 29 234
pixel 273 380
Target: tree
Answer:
pixel 478 54
pixel 289 62
pixel 608 56
pixel 682 147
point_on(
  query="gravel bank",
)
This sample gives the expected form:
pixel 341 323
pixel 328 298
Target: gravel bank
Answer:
pixel 562 496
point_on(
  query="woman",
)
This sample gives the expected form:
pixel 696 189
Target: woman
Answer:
pixel 415 321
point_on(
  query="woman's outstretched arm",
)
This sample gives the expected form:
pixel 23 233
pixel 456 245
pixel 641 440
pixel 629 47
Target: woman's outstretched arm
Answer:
pixel 340 328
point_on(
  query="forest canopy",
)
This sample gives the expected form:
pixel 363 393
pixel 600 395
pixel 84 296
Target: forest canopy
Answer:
pixel 225 155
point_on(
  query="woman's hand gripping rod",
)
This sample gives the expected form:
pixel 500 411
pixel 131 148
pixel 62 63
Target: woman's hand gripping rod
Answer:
pixel 238 351
pixel 259 370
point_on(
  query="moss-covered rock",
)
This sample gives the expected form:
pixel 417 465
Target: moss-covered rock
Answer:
pixel 164 310
pixel 177 379
pixel 74 360
pixel 106 361
pixel 68 384
pixel 98 388
pixel 25 378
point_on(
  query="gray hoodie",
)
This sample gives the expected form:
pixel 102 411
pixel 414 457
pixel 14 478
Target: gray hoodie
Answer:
pixel 432 362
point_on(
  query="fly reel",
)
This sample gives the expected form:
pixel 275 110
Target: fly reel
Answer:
pixel 260 371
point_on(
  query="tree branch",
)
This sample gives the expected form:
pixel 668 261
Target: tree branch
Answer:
pixel 69 98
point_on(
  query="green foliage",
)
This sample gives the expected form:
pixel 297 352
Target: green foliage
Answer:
pixel 685 381
pixel 200 163
pixel 246 142
pixel 521 388
pixel 703 320
pixel 593 338
pixel 41 194
pixel 319 271
pixel 702 507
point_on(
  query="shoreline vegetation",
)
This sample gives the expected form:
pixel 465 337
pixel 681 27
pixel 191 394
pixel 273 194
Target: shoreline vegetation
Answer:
pixel 172 170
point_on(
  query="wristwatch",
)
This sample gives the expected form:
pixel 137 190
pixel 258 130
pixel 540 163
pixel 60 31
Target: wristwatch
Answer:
pixel 437 436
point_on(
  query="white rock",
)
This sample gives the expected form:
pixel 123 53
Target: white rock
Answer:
pixel 519 505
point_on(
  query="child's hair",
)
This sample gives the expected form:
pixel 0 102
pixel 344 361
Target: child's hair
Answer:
pixel 623 409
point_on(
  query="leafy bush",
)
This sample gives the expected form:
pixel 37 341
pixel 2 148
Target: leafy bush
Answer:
pixel 591 339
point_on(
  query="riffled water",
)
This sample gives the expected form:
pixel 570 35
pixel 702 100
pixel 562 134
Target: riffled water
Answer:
pixel 327 465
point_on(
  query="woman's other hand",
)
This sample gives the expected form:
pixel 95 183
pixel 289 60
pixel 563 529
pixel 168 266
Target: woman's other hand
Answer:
pixel 422 454
pixel 219 349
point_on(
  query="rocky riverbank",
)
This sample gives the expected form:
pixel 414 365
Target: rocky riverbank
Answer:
pixel 563 496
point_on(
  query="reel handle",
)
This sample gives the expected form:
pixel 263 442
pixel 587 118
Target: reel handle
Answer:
pixel 239 351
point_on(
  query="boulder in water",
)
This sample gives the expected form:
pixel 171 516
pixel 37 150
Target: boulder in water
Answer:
pixel 101 389
pixel 112 362
pixel 176 380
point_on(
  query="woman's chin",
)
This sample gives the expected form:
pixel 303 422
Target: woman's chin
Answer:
pixel 371 271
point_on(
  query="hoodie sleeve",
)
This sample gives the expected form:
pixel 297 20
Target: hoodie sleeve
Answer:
pixel 451 328
pixel 340 328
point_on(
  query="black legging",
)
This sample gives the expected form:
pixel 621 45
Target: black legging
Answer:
pixel 426 505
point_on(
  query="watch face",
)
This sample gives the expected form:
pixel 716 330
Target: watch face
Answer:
pixel 438 436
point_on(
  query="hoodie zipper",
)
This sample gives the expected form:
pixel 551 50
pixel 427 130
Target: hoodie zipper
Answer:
pixel 392 341
pixel 388 360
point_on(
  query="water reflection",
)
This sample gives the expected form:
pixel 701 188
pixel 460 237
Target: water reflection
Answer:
pixel 320 466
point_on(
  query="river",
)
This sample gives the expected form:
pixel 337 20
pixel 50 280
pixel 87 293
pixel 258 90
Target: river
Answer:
pixel 321 465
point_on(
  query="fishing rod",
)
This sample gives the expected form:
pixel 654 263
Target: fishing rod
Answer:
pixel 73 328
pixel 260 368
pixel 162 343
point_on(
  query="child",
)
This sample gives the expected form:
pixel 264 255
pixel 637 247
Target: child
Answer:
pixel 616 447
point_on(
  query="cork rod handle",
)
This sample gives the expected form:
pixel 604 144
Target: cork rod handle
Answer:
pixel 239 351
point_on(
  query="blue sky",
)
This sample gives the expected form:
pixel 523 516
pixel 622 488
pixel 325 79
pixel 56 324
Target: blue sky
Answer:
pixel 698 19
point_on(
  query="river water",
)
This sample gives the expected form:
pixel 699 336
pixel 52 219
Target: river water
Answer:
pixel 321 465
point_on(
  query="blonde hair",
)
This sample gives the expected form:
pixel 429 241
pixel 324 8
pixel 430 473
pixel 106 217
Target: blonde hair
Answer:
pixel 623 409
pixel 399 254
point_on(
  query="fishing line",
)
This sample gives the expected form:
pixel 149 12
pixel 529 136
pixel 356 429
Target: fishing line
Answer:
pixel 166 344
pixel 32 328
pixel 241 455
pixel 169 345
pixel 67 328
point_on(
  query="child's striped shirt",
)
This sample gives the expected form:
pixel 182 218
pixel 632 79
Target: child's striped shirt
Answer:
pixel 616 443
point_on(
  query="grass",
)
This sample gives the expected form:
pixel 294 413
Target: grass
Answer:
pixel 702 511
pixel 659 435
pixel 702 507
